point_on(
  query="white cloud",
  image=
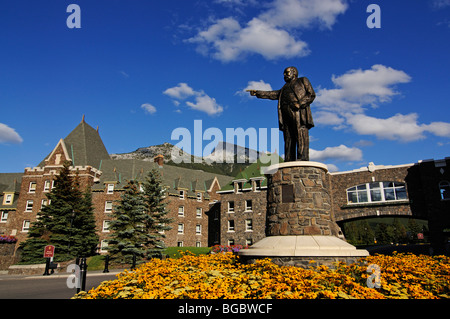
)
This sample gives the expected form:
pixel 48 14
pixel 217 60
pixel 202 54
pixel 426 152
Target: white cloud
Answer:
pixel 337 153
pixel 206 104
pixel 148 108
pixel 398 127
pixel 357 88
pixel 181 91
pixel 227 41
pixel 345 106
pixel 203 102
pixel 9 135
pixel 304 13
pixel 268 34
pixel 438 128
pixel 255 85
pixel 328 118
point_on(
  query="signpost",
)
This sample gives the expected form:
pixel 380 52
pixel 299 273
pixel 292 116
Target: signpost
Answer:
pixel 49 253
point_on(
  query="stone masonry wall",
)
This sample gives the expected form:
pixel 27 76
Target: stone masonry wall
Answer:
pixel 305 209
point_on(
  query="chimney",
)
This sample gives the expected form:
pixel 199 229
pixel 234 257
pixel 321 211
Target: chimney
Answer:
pixel 159 159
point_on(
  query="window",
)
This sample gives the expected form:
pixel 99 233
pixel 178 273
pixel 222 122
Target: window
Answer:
pixel 230 242
pixel 444 188
pixel 198 229
pixel 198 212
pixel 231 207
pixel 181 211
pixel 110 189
pixel 26 226
pixel 180 229
pixel 108 206
pixel 4 217
pixel 44 202
pixel 47 185
pixel 376 192
pixel 29 206
pixel 231 225
pixel 248 205
pixel 8 199
pixel 257 185
pixel 32 187
pixel 105 228
pixel 181 194
pixel 199 197
pixel 249 242
pixel 104 246
pixel 248 225
pixel 239 187
pixel 179 243
pixel 198 244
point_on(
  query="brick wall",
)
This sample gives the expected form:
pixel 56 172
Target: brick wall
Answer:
pixel 241 235
pixel 340 182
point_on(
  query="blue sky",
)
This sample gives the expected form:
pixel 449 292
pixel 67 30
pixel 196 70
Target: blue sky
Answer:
pixel 141 69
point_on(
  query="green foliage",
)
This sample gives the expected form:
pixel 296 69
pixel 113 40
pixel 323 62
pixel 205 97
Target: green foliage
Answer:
pixel 383 231
pixel 68 222
pixel 139 220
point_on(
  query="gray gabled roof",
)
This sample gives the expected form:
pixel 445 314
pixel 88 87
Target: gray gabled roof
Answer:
pixel 173 177
pixel 84 146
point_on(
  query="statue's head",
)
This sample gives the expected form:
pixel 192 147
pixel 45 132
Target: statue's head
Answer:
pixel 290 73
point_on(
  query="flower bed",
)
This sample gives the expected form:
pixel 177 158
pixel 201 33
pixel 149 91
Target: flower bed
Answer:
pixel 221 276
pixel 7 239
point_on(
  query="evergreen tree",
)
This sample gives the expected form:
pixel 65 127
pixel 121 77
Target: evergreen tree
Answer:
pixel 84 240
pixel 155 206
pixel 66 222
pixel 413 229
pixel 399 231
pixel 129 226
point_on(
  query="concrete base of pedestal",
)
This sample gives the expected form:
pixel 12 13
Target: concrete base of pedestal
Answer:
pixel 301 250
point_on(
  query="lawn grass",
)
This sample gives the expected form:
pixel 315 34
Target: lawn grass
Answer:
pixel 98 262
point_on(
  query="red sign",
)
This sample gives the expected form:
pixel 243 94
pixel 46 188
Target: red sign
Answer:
pixel 420 236
pixel 49 251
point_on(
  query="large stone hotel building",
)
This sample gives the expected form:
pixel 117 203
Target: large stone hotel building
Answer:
pixel 209 209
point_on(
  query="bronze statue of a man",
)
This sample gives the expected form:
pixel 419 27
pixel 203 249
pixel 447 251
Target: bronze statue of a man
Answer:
pixel 294 113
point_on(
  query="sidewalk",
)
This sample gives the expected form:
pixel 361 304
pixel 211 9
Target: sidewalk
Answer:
pixel 60 275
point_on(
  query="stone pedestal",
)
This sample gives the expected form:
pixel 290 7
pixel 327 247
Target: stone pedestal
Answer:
pixel 300 226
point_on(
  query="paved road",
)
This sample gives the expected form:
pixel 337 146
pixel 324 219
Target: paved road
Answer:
pixel 46 287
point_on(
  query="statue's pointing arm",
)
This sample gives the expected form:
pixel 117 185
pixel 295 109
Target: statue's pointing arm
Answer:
pixel 271 95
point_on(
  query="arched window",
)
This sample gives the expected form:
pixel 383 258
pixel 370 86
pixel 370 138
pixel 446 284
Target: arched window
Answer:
pixel 376 192
pixel 444 188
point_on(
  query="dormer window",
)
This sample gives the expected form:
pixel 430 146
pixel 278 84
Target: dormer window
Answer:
pixel 8 199
pixel 110 189
pixel 199 197
pixel 239 185
pixel 181 194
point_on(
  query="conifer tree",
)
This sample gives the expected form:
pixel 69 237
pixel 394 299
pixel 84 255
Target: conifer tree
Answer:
pixel 66 222
pixel 84 239
pixel 155 206
pixel 129 226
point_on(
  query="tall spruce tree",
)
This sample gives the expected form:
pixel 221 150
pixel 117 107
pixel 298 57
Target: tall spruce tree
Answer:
pixel 155 205
pixel 129 226
pixel 67 222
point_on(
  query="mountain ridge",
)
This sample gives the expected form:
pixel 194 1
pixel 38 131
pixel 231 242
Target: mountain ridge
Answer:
pixel 225 159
